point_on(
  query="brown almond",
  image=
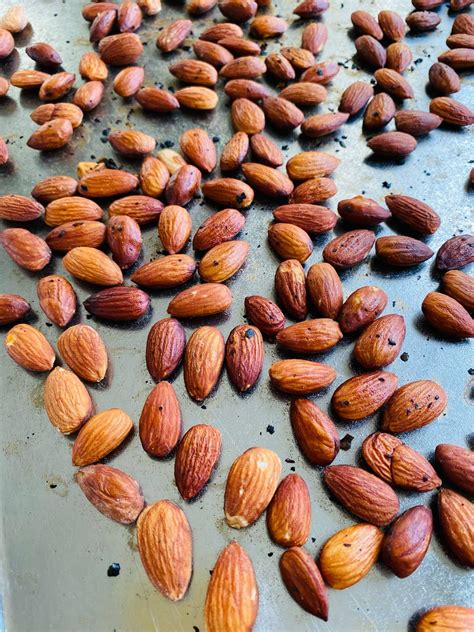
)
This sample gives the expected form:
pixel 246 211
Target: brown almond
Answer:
pixel 325 289
pixel 91 11
pixel 452 111
pixel 57 299
pixel 392 144
pixel 392 25
pixel 247 116
pixel 52 135
pixel 300 58
pixel 247 67
pixel 197 98
pixel 201 300
pixel 74 234
pixel 463 23
pixel 53 188
pixel 102 25
pixel 456 252
pixel 155 99
pixel 402 251
pixel 362 211
pixel 195 72
pixel 265 26
pixel 355 97
pixel 84 352
pixel 289 512
pixel 221 30
pixel 310 217
pixel 218 228
pixel 264 314
pixel 234 152
pixel 12 308
pixel 141 208
pixel 92 68
pixel 239 46
pixel 27 250
pixel 304 93
pixel 447 315
pixel 165 272
pixel 66 401
pixel 417 215
pixel 100 436
pixel 322 72
pixel 290 241
pixel 399 57
pixel 173 35
pixel 392 82
pixel 281 113
pixel 160 421
pixel 314 37
pixel 118 303
pixel 44 54
pixel 93 266
pixel 129 81
pixel 203 360
pixel 301 377
pixel 164 348
pixel 129 16
pixel 349 249
pixel 315 433
pixel 244 356
pixel 278 66
pixel 413 406
pixel 174 228
pixel 361 308
pixel 245 88
pixel 290 288
pixel 303 581
pixel 313 190
pixel 380 344
pixel 223 261
pixel 460 286
pixel 196 457
pixel 28 347
pixel 410 470
pixel 183 185
pixel 377 450
pixel 310 336
pixel 228 192
pixel 28 79
pixel 107 183
pixel 311 164
pixel 18 208
pixel 265 150
pixel 379 112
pixel 132 142
pixel 446 618
pixel 456 515
pixel 444 79
pixel 121 49
pixel 457 464
pixel 267 180
pixel 89 95
pixel 366 24
pixel 371 52
pixel 215 54
pixel 71 209
pixel 363 395
pixel 154 177
pixel 56 86
pixel 124 240
pixel 311 8
pixel 238 10
pixel 458 58
pixel 323 124
pixel 460 40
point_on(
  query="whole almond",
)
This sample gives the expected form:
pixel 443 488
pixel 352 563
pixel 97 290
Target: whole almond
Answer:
pixel 165 546
pixel 52 135
pixel 362 493
pixel 112 492
pixel 44 54
pixel 198 148
pixel 366 24
pixel 91 11
pixel 264 314
pixel 410 470
pixel 102 25
pixel 251 484
pixel 444 79
pixel 290 288
pixel 379 112
pixel 28 347
pixel 53 188
pixel 165 272
pixel 361 308
pixel 223 261
pixel 278 66
pixel 247 116
pixel 183 185
pixel 289 512
pixel 18 208
pixel 457 464
pixel 414 405
pixel 300 58
pixel 301 377
pixel 173 35
pixel 377 450
pixel 201 300
pixel 290 241
pixel 447 315
pixel 313 190
pixel 57 299
pixel 218 228
pixel 355 97
pixel 92 68
pixel 325 289
pixel 7 43
pixel 14 19
pixel 141 208
pixel 203 361
pixel 228 192
pixel 247 67
pixel 303 581
pixel 132 143
pixel 456 515
pixel 244 356
pixel 392 25
pixel 27 250
pixel 4 155
pixel 214 54
pixel 194 72
pixel 124 240
pixel 402 251
pixel 399 57
pixel 84 352
pixel 322 72
pixel 164 348
pixel 196 458
pixel 458 58
pixel 28 79
pixel 93 266
pixel 12 308
pixel 414 213
pixel 380 344
pixel 239 46
pixel 102 434
pixel 310 336
pixel 174 228
pixel 371 52
pixel 154 99
pixel 129 81
pixel 245 88
pixel 304 93
pixel 66 400
pixel 219 31
pixel 452 111
pixel 267 180
pixel 281 113
pixel 107 183
pixel 311 164
pixel 315 433
pixel 446 618
pixel 392 144
pixel 89 95
pixel 314 37
pixel 349 249
pixel 460 40
pixel 406 543
pixel 310 217
pixel 118 303
pixel 393 83
pixel 456 252
pixel 349 554
pixel 56 86
pixel 323 124
pixel 197 98
pixel 232 583
pixel 265 26
pixel 311 8
pixel 74 234
pixel 460 286
pixel 70 209
pixel 234 152
pixel 160 421
pixel 129 16
pixel 463 24
pixel 363 395
pixel 154 177
pixel 362 211
pixel 120 50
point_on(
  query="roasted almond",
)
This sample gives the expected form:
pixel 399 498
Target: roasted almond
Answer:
pixel 377 450
pixel 406 543
pixel 49 111
pixel 160 421
pixel 71 209
pixel 239 46
pixel 195 72
pixel 197 98
pixel 322 72
pixel 290 288
pixel 362 211
pixel 417 215
pixel 267 180
pixel 310 336
pixel 196 457
pixel 118 303
pixel 458 58
pixel 456 252
pixel 392 25
pixel 228 192
pixel 234 152
pixel 56 86
pixel 311 8
pixel 129 16
pixel 120 50
pixel 452 111
pixel 300 58
pixel 107 183
pixel 53 188
pixel 446 618
pixel 174 228
pixel 323 124
pixel 281 113
pixel 349 249
pixel 75 234
pixel 303 581
pixel 444 79
pixel 247 67
pixel 363 395
pixel 265 26
pixel 201 300
pixel 245 88
pixel 92 68
pixel 380 344
pixel 410 470
pixel 315 433
pixel 304 93
pixel 124 240
pixel 402 251
pixel 28 347
pixel 28 79
pixel 27 250
pixel 89 95
pixel 173 35
pixel 141 208
pixel 218 228
pixel 247 116
pixel 12 308
pixel 215 54
pixel 129 81
pixel 198 148
pixel 203 360
pixel 380 111
pixel 416 122
pixel 355 97
pixel 361 308
pixel 314 37
pixel 264 314
pixel 371 52
pixel 93 266
pixel 132 143
pixel 447 315
pixel 251 484
pixel 84 352
pixel 289 512
pixel 366 24
pixel 290 241
pixel 278 66
pixel 244 356
pixel 155 99
pixel 165 272
pixel 57 299
pixel 91 11
pixel 52 135
pixel 102 25
pixel 420 21
pixel 463 23
pixel 301 377
pixel 313 190
pixel 102 434
pixel 66 400
pixel 311 164
pixel 312 218
pixel 164 348
pixel 457 464
pixel 18 208
pixel 460 286
pixel 456 515
pixel 325 289
pixel 413 406
pixel 223 261
pixel 399 57
pixel 154 177
pixel 183 185
pixel 392 144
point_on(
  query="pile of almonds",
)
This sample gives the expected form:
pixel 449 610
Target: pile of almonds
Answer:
pixel 166 183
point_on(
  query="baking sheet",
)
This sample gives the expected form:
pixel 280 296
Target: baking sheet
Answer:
pixel 56 548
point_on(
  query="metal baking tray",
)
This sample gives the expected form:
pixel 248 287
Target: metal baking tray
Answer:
pixel 56 547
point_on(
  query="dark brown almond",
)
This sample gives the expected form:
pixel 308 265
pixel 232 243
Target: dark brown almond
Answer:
pixel 124 239
pixel 217 32
pixel 142 208
pixel 183 185
pixel 444 79
pixel 44 54
pixel 392 144
pixel 325 289
pixel 414 213
pixel 361 308
pixel 196 457
pixel 310 217
pixel 402 251
pixel 315 433
pixel 245 88
pixel 370 52
pixel 264 150
pixel 363 395
pixel 416 122
pixel 349 249
pixel 460 286
pixel 173 35
pixel 379 112
pixel 264 314
pixel 322 72
pixel 118 303
pixel 165 348
pixel 303 581
pixel 12 308
pixel 244 354
pixel 456 252
pixel 281 113
pixel 362 211
pixel 290 288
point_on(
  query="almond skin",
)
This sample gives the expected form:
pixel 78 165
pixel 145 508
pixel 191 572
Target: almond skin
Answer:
pixel 363 395
pixel 107 183
pixel 93 266
pixel 413 406
pixel 267 180
pixel 457 464
pixel 28 347
pixel 402 251
pixel 129 81
pixel 379 112
pixel 228 192
pixel 446 619
pixel 173 35
pixel 232 583
pixel 456 515
pixel 66 401
pixel 102 434
pixel 460 286
pixel 203 360
pixel 366 24
pixel 301 377
pixel 264 314
pixel 290 288
pixel 310 336
pixel 92 68
pixel 75 234
pixel 70 209
pixel 312 218
pixel 349 554
pixel 361 308
pixel 349 249
pixel 316 435
pixel 362 211
pixel 27 250
pixel 141 208
pixel 452 111
pixel 304 93
pixel 165 348
pixel 290 241
pixel 303 581
pixel 12 308
pixel 362 493
pixel 245 88
pixel 57 299
pixel 447 316
pixel 325 289
pixel 218 228
pixel 165 546
pixel 154 99
pixel 289 512
pixel 355 97
pixel 248 67
pixel 456 252
pixel 380 344
pixel 84 352
pixel 197 456
pixel 313 190
pixel 223 261
pixel 392 25
pixel 251 484
pixel 53 188
pixel 112 492
pixel 165 272
pixel 18 208
pixel 414 213
pixel 118 303
pixel 407 541
pixel 197 98
pixel 201 300
pixel 244 356
pixel 160 421
pixel 234 152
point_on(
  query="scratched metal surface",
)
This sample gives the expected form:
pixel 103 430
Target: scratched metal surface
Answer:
pixel 56 546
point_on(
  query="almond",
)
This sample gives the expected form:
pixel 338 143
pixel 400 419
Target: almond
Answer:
pixel 118 303
pixel 195 72
pixel 89 95
pixel 303 581
pixel 311 8
pixel 304 93
pixel 154 99
pixel 4 156
pixel 447 315
pixel 75 234
pixel 165 272
pixel 218 228
pixel 102 25
pixel 392 25
pixel 28 347
pixel 265 26
pixel 399 57
pixel 197 98
pixel 278 66
pixel 361 308
pixel 56 86
pixel 301 377
pixel 223 261
pixel 196 458
pixel 322 72
pixel 456 515
pixel 417 215
pixel 245 88
pixel 402 251
pixel 198 148
pixel 456 252
pixel 310 217
pixel 446 618
pixel 264 314
pixel 310 336
pixel 392 144
pixel 70 209
pixel 247 116
pixel 314 37
pixel 219 31
pixel 362 493
pixel 355 97
pixel 18 208
pixel 52 135
pixel 141 208
pixel 214 54
pixel 316 435
pixel 281 113
pixel 26 249
pixel 460 40
pixel 234 152
pixel 325 289
pixel 102 434
pixel 463 24
pixel 377 450
pixel 240 47
pixel 154 177
pixel 459 58
pixel 290 241
pixel 92 68
pixel 129 16
pixel 203 361
pixel 300 58
pixel 84 352
pixel 160 421
pixel 12 308
pixel 57 299
pixel 7 43
pixel 366 24
pixel 93 266
pixel 379 112
pixel 228 192
pixel 66 400
pixel 165 546
pixel 54 188
pixel 380 344
pixel 371 52
pixel 407 541
pixel 289 512
pixel 201 300
pixel 120 50
pixel 416 122
pixel 129 81
pixel 174 228
pixel 290 287
pixel 112 492
pixel 165 348
pixel 460 286
pixel 267 180
pixel 44 54
pixel 28 79
pixel 313 190
pixel 173 35
pixel 14 19
pixel 349 249
pixel 251 484
pixel 132 143
pixel 91 11
pixel 183 185
pixel 457 464
pixel 244 356
pixel 443 79
pixel 410 470
pixel 107 183
pixel 247 67
pixel 363 395
pixel 349 554
pixel 233 584
pixel 124 239
pixel 451 111
pixel 323 124
pixel 393 83
pixel 362 211
pixel 413 406
pixel 311 164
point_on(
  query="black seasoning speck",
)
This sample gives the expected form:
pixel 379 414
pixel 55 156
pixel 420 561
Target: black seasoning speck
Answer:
pixel 289 461
pixel 470 371
pixel 386 185
pixel 270 429
pixel 404 357
pixel 113 570
pixel 270 554
pixel 216 139
pixel 346 442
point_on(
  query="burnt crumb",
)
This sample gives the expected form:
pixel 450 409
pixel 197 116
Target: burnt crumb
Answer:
pixel 167 144
pixel 110 163
pixel 292 461
pixel 394 303
pixel 49 324
pixel 284 147
pixel 113 570
pixel 204 407
pixel 404 357
pixel 171 88
pixel 470 371
pixel 93 157
pixel 186 48
pixel 373 82
pixel 347 544
pixel 52 486
pixel 313 540
pixel 293 469
pixel 270 429
pixel 346 442
pixel 418 61
pixel 216 139
pixel 270 554
pixel 386 185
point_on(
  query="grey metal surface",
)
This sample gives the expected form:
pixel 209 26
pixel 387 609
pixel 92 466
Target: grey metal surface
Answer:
pixel 56 548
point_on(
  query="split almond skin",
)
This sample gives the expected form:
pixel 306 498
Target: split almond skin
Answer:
pixel 100 436
pixel 165 546
pixel 304 582
pixel 197 456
